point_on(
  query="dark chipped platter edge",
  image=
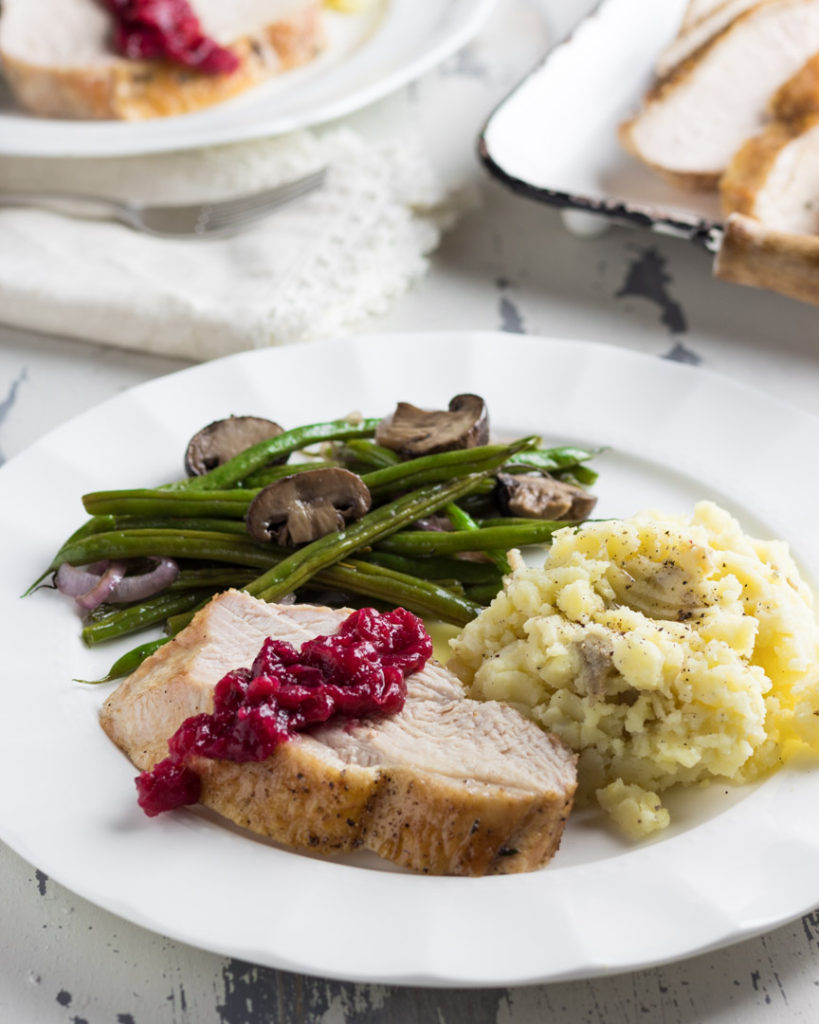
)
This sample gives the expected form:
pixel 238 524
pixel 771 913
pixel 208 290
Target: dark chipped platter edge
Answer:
pixel 705 233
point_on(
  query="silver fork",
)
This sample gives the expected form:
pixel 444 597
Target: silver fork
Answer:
pixel 187 220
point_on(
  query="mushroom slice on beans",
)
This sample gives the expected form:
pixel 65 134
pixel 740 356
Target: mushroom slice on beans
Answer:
pixel 413 431
pixel 222 439
pixel 541 497
pixel 305 506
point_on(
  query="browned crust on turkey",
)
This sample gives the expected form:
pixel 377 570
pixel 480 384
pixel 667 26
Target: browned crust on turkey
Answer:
pixel 418 820
pixel 751 165
pixel 296 797
pixel 460 827
pixel 799 96
pixel 138 90
pixel 752 254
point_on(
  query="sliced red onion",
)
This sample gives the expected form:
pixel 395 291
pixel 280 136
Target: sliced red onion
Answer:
pixel 106 581
pixel 104 587
pixel 73 581
pixel 145 584
pixel 434 523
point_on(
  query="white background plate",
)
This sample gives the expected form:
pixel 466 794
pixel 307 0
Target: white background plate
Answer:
pixel 554 138
pixel 733 864
pixel 368 56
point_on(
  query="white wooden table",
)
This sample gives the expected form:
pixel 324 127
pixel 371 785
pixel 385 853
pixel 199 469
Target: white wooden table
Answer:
pixel 509 266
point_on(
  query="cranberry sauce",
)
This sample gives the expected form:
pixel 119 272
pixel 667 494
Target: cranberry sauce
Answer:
pixel 358 671
pixel 169 29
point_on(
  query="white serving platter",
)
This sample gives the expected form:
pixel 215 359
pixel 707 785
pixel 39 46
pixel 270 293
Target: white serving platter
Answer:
pixel 554 138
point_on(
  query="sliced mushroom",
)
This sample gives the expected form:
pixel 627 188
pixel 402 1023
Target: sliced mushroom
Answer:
pixel 305 506
pixel 222 439
pixel 596 665
pixel 413 431
pixel 541 497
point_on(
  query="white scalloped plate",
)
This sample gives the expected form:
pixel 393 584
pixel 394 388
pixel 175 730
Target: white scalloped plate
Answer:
pixel 368 56
pixel 734 863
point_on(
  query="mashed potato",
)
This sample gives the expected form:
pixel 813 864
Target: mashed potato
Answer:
pixel 663 649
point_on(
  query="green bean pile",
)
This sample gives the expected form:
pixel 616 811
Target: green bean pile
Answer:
pixel 379 559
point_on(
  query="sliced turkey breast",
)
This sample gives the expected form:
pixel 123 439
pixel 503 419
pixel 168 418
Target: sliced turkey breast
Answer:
pixel 696 10
pixel 799 96
pixel 696 118
pixel 753 254
pixel 695 33
pixel 59 61
pixel 774 177
pixel 447 786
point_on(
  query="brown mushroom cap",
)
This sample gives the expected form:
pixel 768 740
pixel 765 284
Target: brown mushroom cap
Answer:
pixel 413 431
pixel 541 497
pixel 305 506
pixel 222 439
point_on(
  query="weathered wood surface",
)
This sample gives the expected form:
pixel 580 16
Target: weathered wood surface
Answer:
pixel 62 961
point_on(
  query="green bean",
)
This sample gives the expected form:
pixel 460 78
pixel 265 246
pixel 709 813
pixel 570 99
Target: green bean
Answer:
pixel 96 524
pixel 258 455
pixel 122 621
pixel 483 594
pixel 522 522
pixel 90 526
pixel 236 527
pixel 427 542
pixel 219 578
pixel 203 545
pixel 429 469
pixel 423 598
pixel 462 520
pixel 129 662
pixel 581 475
pixel 287 579
pixel 298 567
pixel 269 474
pixel 552 460
pixel 227 504
pixel 462 569
pixel 367 453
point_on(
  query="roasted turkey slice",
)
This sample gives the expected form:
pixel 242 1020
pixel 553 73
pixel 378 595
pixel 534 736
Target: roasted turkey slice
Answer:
pixel 774 177
pixel 753 254
pixel 447 786
pixel 59 62
pixel 702 22
pixel 696 118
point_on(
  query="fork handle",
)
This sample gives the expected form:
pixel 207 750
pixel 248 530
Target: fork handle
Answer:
pixel 89 207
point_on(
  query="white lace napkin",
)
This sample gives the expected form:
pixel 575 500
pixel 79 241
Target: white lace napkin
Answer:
pixel 317 266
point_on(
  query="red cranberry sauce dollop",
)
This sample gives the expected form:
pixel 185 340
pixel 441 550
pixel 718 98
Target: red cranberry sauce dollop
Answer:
pixel 169 29
pixel 358 671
